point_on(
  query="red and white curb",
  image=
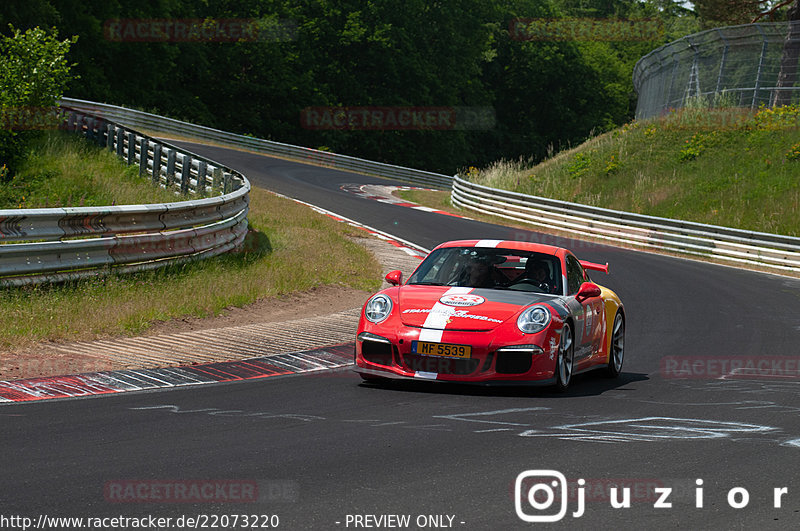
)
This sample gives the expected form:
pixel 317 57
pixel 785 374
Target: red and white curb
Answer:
pixel 114 382
pixel 404 245
pixel 383 194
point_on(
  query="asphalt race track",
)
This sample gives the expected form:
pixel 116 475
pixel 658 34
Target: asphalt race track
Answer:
pixel 328 452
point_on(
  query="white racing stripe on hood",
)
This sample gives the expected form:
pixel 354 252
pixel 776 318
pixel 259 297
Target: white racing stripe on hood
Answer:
pixel 437 318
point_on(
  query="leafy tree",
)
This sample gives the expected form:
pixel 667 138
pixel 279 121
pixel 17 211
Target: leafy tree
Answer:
pixel 34 71
pixel 365 53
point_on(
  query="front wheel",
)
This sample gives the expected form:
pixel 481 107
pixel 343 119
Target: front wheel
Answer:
pixel 616 350
pixel 566 360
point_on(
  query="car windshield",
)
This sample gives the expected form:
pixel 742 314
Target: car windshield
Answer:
pixel 491 268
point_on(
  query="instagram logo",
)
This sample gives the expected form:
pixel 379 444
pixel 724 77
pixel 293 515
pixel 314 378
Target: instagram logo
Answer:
pixel 541 490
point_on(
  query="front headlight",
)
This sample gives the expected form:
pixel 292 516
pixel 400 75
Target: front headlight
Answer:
pixel 533 320
pixel 378 308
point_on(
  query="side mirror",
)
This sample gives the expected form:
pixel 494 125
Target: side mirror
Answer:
pixel 587 291
pixel 395 278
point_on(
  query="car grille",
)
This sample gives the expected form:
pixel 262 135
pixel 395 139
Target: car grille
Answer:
pixel 374 352
pixel 513 362
pixel 415 362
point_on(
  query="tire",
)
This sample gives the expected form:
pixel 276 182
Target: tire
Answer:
pixel 565 362
pixel 616 348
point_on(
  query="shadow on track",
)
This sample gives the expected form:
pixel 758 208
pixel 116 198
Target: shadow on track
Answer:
pixel 587 384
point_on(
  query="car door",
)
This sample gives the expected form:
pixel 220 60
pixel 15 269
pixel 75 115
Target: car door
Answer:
pixel 587 314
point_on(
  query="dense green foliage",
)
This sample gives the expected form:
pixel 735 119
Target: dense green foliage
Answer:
pixel 417 53
pixel 34 72
pixel 62 169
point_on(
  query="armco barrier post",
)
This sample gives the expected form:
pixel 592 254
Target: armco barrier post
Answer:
pixel 202 168
pixel 120 143
pixel 143 145
pixel 216 180
pixel 185 173
pixel 102 130
pixel 156 162
pixel 170 168
pixel 110 137
pixel 131 159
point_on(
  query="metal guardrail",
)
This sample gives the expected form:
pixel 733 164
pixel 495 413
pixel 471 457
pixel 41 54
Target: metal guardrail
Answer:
pixel 735 66
pixel 153 122
pixel 57 244
pixel 739 246
pixel 734 245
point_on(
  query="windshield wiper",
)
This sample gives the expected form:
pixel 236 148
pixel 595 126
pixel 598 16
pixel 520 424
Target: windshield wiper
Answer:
pixel 427 284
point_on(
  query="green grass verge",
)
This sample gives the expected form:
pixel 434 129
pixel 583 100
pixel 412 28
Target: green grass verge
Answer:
pixel 290 249
pixel 734 168
pixel 62 170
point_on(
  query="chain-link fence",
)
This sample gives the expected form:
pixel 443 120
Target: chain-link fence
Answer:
pixel 735 66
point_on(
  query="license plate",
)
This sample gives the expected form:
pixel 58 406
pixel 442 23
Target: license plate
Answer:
pixel 444 350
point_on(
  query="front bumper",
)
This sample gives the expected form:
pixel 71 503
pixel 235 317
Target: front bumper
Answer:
pixel 521 360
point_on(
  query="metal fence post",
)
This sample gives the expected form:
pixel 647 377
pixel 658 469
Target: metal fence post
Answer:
pixel 760 66
pixel 722 61
pixel 668 99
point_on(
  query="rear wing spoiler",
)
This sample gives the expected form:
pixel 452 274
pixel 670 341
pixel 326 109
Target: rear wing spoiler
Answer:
pixel 594 267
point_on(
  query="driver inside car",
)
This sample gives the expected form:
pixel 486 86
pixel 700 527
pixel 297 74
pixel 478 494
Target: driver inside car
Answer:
pixel 480 273
pixel 537 272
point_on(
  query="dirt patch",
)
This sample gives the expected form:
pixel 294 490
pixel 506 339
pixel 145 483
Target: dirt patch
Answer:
pixel 324 300
pixel 43 359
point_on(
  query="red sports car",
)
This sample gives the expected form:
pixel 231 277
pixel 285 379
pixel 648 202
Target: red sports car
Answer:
pixel 492 311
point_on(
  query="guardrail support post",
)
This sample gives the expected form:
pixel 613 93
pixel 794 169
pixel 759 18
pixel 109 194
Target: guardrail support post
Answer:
pixel 185 174
pixel 156 162
pixel 227 183
pixel 91 124
pixel 170 168
pixel 131 159
pixel 120 143
pixel 216 181
pixel 201 178
pixel 102 130
pixel 143 145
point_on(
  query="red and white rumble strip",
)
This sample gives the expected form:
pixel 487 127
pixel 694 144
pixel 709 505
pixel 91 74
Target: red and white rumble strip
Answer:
pixel 383 194
pixel 111 382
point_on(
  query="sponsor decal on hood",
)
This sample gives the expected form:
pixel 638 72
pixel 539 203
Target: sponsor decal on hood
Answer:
pixel 452 312
pixel 461 299
pixel 425 307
